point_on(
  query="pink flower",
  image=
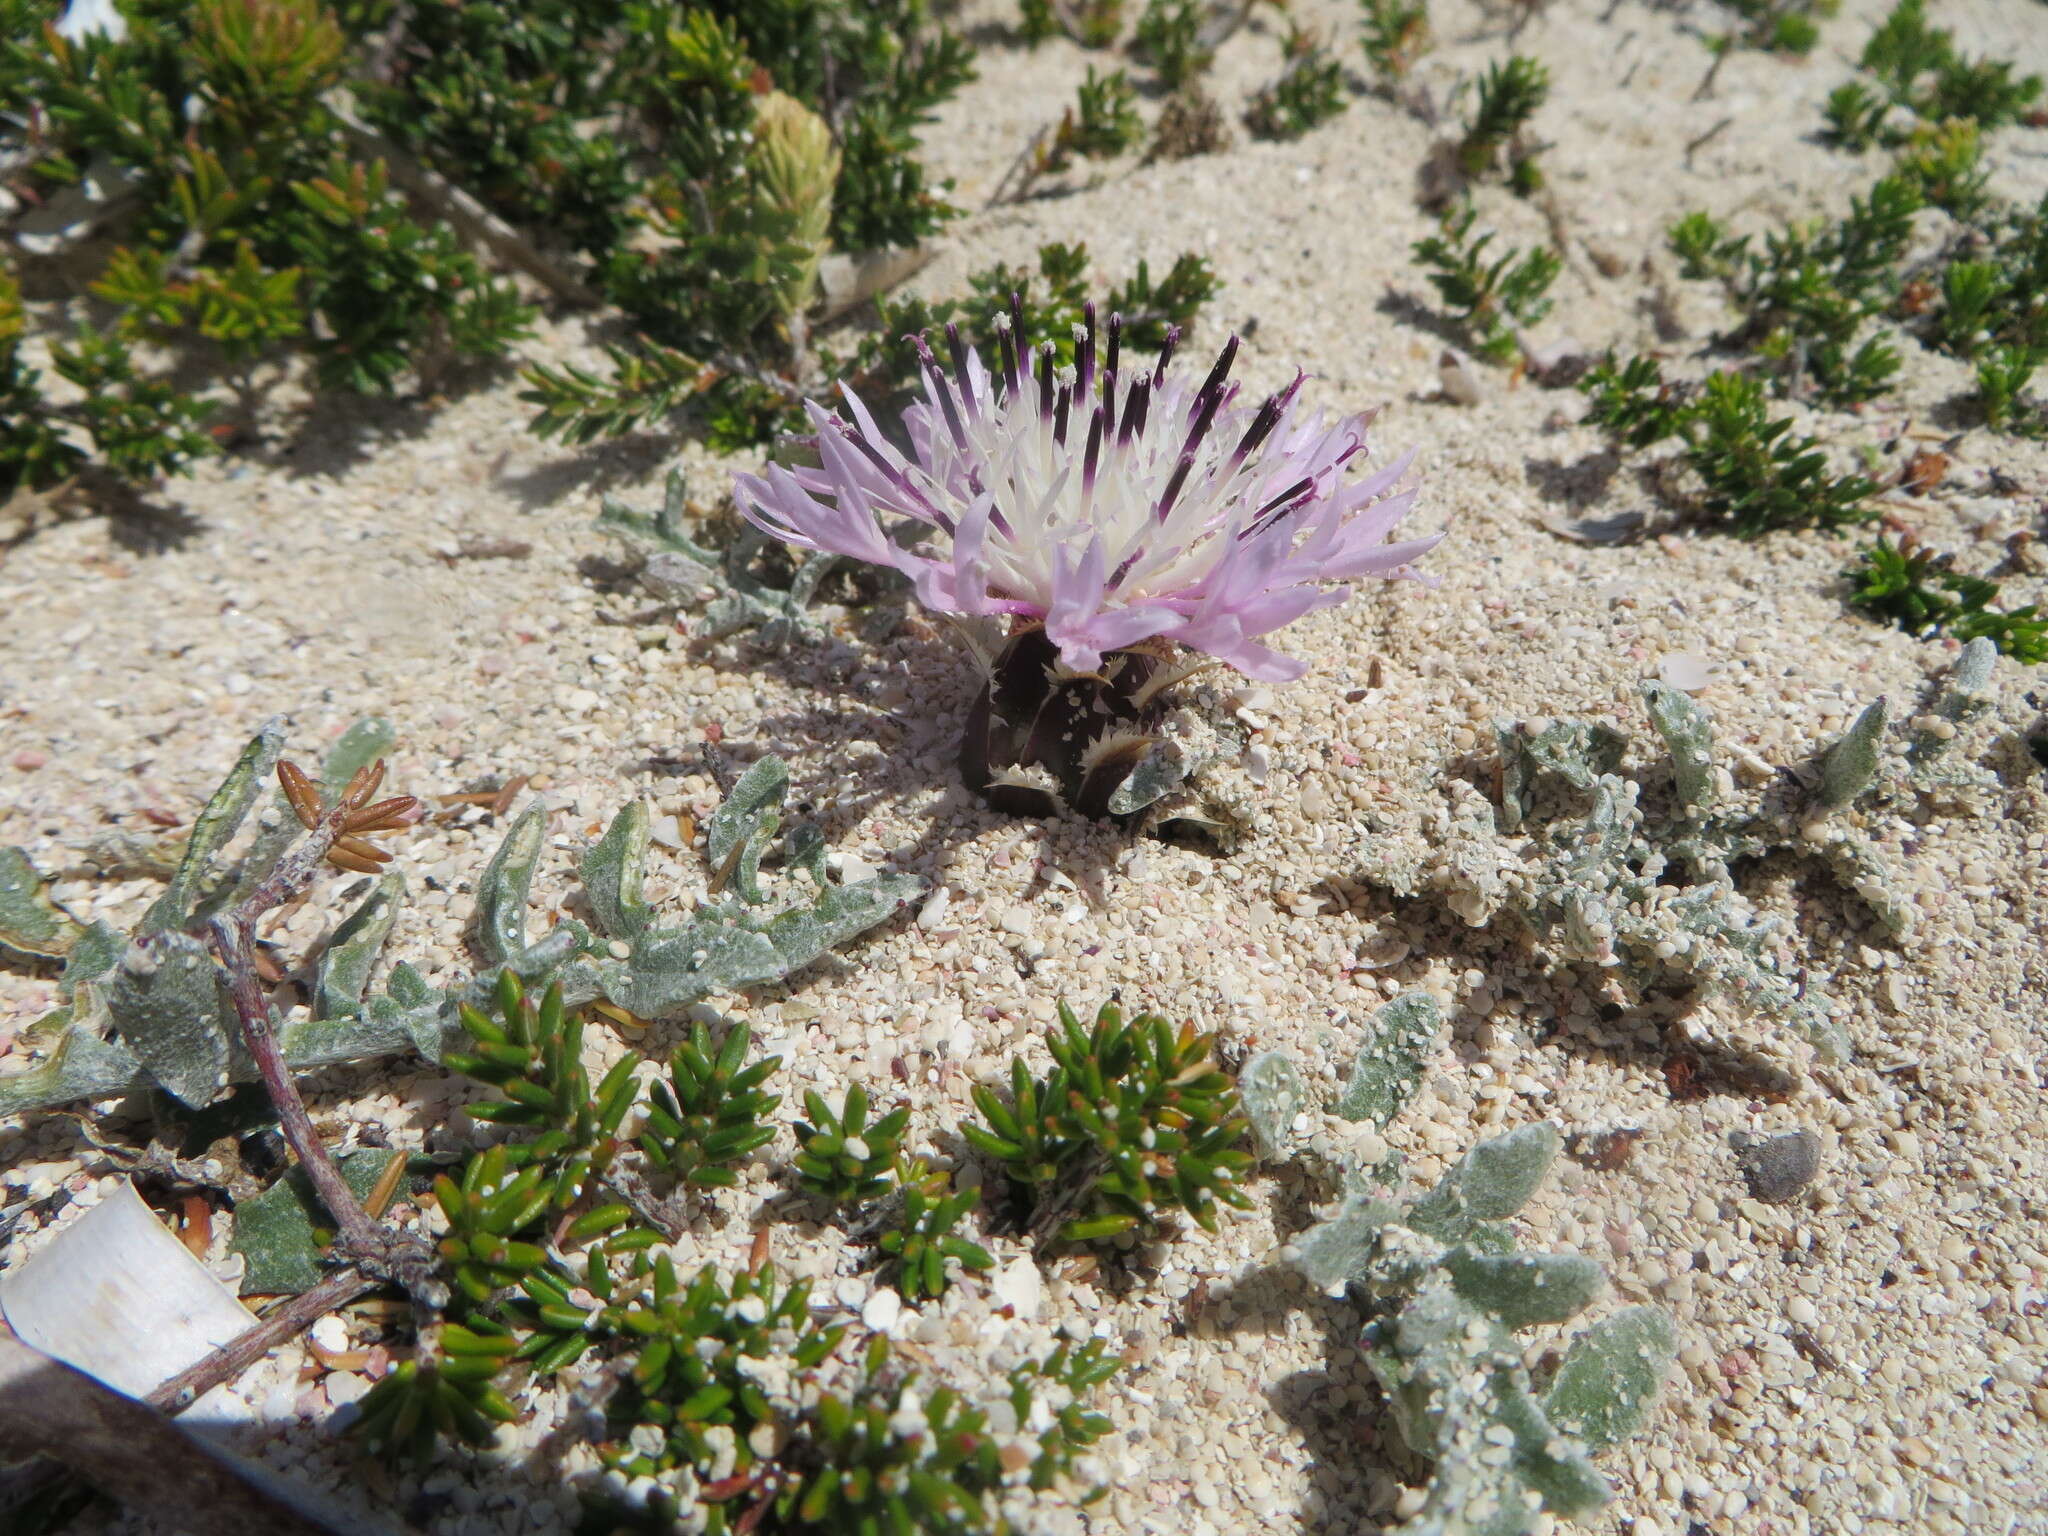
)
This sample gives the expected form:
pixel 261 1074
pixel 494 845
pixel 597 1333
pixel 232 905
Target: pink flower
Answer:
pixel 1108 501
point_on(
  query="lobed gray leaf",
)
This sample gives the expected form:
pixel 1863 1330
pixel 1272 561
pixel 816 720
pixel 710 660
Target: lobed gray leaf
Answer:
pixel 612 870
pixel 170 1005
pixel 1388 1068
pixel 343 974
pixel 1273 1093
pixel 500 922
pixel 1520 1290
pixel 842 913
pixel 1611 1375
pixel 214 830
pixel 278 1232
pixel 1496 1178
pixel 1851 763
pixel 30 923
pixel 1688 733
pixel 738 831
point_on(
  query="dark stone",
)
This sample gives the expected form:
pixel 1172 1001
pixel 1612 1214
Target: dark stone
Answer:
pixel 1777 1167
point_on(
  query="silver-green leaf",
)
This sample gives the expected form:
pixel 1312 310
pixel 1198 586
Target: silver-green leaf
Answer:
pixel 502 889
pixel 1388 1068
pixel 170 1006
pixel 214 830
pixel 1611 1375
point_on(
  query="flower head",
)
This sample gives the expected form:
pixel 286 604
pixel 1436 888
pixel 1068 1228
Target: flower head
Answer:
pixel 1109 501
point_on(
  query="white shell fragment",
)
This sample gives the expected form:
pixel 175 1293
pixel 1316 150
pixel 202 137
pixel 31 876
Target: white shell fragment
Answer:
pixel 115 1294
pixel 1686 671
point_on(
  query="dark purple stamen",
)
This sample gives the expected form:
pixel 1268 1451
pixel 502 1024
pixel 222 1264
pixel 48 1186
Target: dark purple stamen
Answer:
pixel 1135 406
pixel 1006 340
pixel 1109 401
pixel 1045 381
pixel 1265 421
pixel 1059 415
pixel 1123 569
pixel 1084 353
pixel 1165 355
pixel 1221 371
pixel 1296 495
pixel 958 350
pixel 951 411
pixel 1013 345
pixel 1116 336
pixel 1180 478
pixel 1094 453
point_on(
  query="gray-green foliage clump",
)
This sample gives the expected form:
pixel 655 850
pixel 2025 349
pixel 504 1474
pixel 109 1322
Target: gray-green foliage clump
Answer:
pixel 150 1009
pixel 1634 875
pixel 1384 1076
pixel 1446 1293
pixel 734 595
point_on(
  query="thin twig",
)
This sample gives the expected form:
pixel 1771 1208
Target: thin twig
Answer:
pixel 1705 137
pixel 246 1348
pixel 383 1253
pixel 1706 87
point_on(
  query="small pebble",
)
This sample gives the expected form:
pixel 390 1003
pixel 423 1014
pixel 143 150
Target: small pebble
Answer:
pixel 1777 1167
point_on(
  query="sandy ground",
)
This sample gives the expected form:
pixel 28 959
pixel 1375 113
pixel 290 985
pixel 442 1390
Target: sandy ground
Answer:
pixel 1872 1356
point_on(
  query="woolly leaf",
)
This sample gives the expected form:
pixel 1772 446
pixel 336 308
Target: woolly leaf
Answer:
pixel 168 1003
pixel 611 870
pixel 738 832
pixel 1496 1178
pixel 1521 1289
pixel 1273 1093
pixel 1970 677
pixel 30 922
pixel 1388 1068
pixel 82 1066
pixel 1688 733
pixel 1611 1375
pixel 500 923
pixel 672 968
pixel 354 750
pixel 1851 763
pixel 844 912
pixel 279 1233
pixel 1332 1254
pixel 410 1009
pixel 343 974
pixel 215 828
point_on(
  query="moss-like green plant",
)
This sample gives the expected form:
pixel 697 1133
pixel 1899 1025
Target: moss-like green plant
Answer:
pixel 1170 38
pixel 1102 122
pixel 1511 91
pixel 1445 1293
pixel 1918 66
pixel 1749 473
pixel 1781 26
pixel 1134 1119
pixel 1916 588
pixel 535 1058
pixel 279 176
pixel 1309 92
pixel 1808 294
pixel 1488 297
pixel 711 1112
pixel 1396 34
pixel 922 1239
pixel 845 1158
